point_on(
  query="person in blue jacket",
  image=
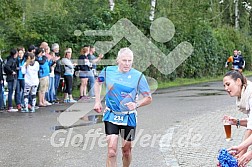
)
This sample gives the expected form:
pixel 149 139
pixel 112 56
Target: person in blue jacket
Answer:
pixel 44 70
pixel 19 93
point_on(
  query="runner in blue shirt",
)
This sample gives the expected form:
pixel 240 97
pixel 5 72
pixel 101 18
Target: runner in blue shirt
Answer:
pixel 123 84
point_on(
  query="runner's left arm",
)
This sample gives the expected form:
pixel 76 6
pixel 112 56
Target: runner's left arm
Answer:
pixel 144 90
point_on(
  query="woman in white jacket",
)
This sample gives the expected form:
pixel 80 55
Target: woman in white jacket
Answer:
pixel 30 70
pixel 236 85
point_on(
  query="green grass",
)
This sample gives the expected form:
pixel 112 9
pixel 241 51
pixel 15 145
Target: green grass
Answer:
pixel 190 81
pixel 186 81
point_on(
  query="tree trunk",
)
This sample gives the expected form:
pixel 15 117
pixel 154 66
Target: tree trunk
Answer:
pixel 23 18
pixel 236 14
pixel 111 5
pixel 152 10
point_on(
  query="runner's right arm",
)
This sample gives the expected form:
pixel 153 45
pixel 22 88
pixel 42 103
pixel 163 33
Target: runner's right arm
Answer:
pixel 229 60
pixel 97 89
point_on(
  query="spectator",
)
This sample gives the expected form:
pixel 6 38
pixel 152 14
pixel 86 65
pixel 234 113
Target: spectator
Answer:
pixel 1 84
pixel 57 69
pixel 44 45
pixel 19 93
pixel 50 95
pixel 31 49
pixel 10 69
pixel 43 76
pixel 238 86
pixel 30 69
pixel 85 71
pixel 93 60
pixel 68 76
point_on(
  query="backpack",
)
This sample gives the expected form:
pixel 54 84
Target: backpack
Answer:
pixel 62 69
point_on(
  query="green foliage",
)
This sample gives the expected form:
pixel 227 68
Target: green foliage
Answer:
pixel 207 25
pixel 205 55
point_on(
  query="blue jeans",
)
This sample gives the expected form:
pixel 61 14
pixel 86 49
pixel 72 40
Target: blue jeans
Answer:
pixel 56 84
pixel 1 95
pixel 50 95
pixel 11 88
pixel 91 82
pixel 19 93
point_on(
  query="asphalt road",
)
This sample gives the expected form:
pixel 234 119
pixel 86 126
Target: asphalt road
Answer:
pixel 38 139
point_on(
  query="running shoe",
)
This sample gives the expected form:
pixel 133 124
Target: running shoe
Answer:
pixel 66 100
pixel 11 109
pixel 25 110
pixel 33 109
pixel 72 101
pixel 19 107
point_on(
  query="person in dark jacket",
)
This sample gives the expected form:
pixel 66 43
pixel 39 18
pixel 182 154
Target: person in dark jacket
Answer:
pixel 85 71
pixel 1 84
pixel 57 69
pixel 10 69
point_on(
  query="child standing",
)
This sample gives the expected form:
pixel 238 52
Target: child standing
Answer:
pixel 30 70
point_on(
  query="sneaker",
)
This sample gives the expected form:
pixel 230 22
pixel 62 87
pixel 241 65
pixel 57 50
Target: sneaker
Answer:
pixel 66 101
pixel 25 110
pixel 11 109
pixel 29 107
pixel 93 97
pixel 48 104
pixel 33 109
pixel 55 102
pixel 72 101
pixel 19 107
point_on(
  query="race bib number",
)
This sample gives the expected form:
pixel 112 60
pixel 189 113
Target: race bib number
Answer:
pixel 236 67
pixel 119 119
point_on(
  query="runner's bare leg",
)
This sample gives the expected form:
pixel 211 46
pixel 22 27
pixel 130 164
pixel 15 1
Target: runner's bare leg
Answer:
pixel 126 151
pixel 112 150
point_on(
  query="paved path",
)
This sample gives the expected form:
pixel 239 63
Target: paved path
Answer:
pixel 182 127
pixel 196 141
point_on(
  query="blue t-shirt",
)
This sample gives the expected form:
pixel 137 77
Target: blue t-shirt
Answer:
pixel 91 58
pixel 122 88
pixel 20 64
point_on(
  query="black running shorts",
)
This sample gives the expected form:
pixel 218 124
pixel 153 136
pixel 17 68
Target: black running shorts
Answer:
pixel 126 132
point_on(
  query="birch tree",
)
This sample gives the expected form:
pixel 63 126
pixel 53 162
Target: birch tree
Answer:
pixel 111 5
pixel 236 15
pixel 246 6
pixel 152 10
